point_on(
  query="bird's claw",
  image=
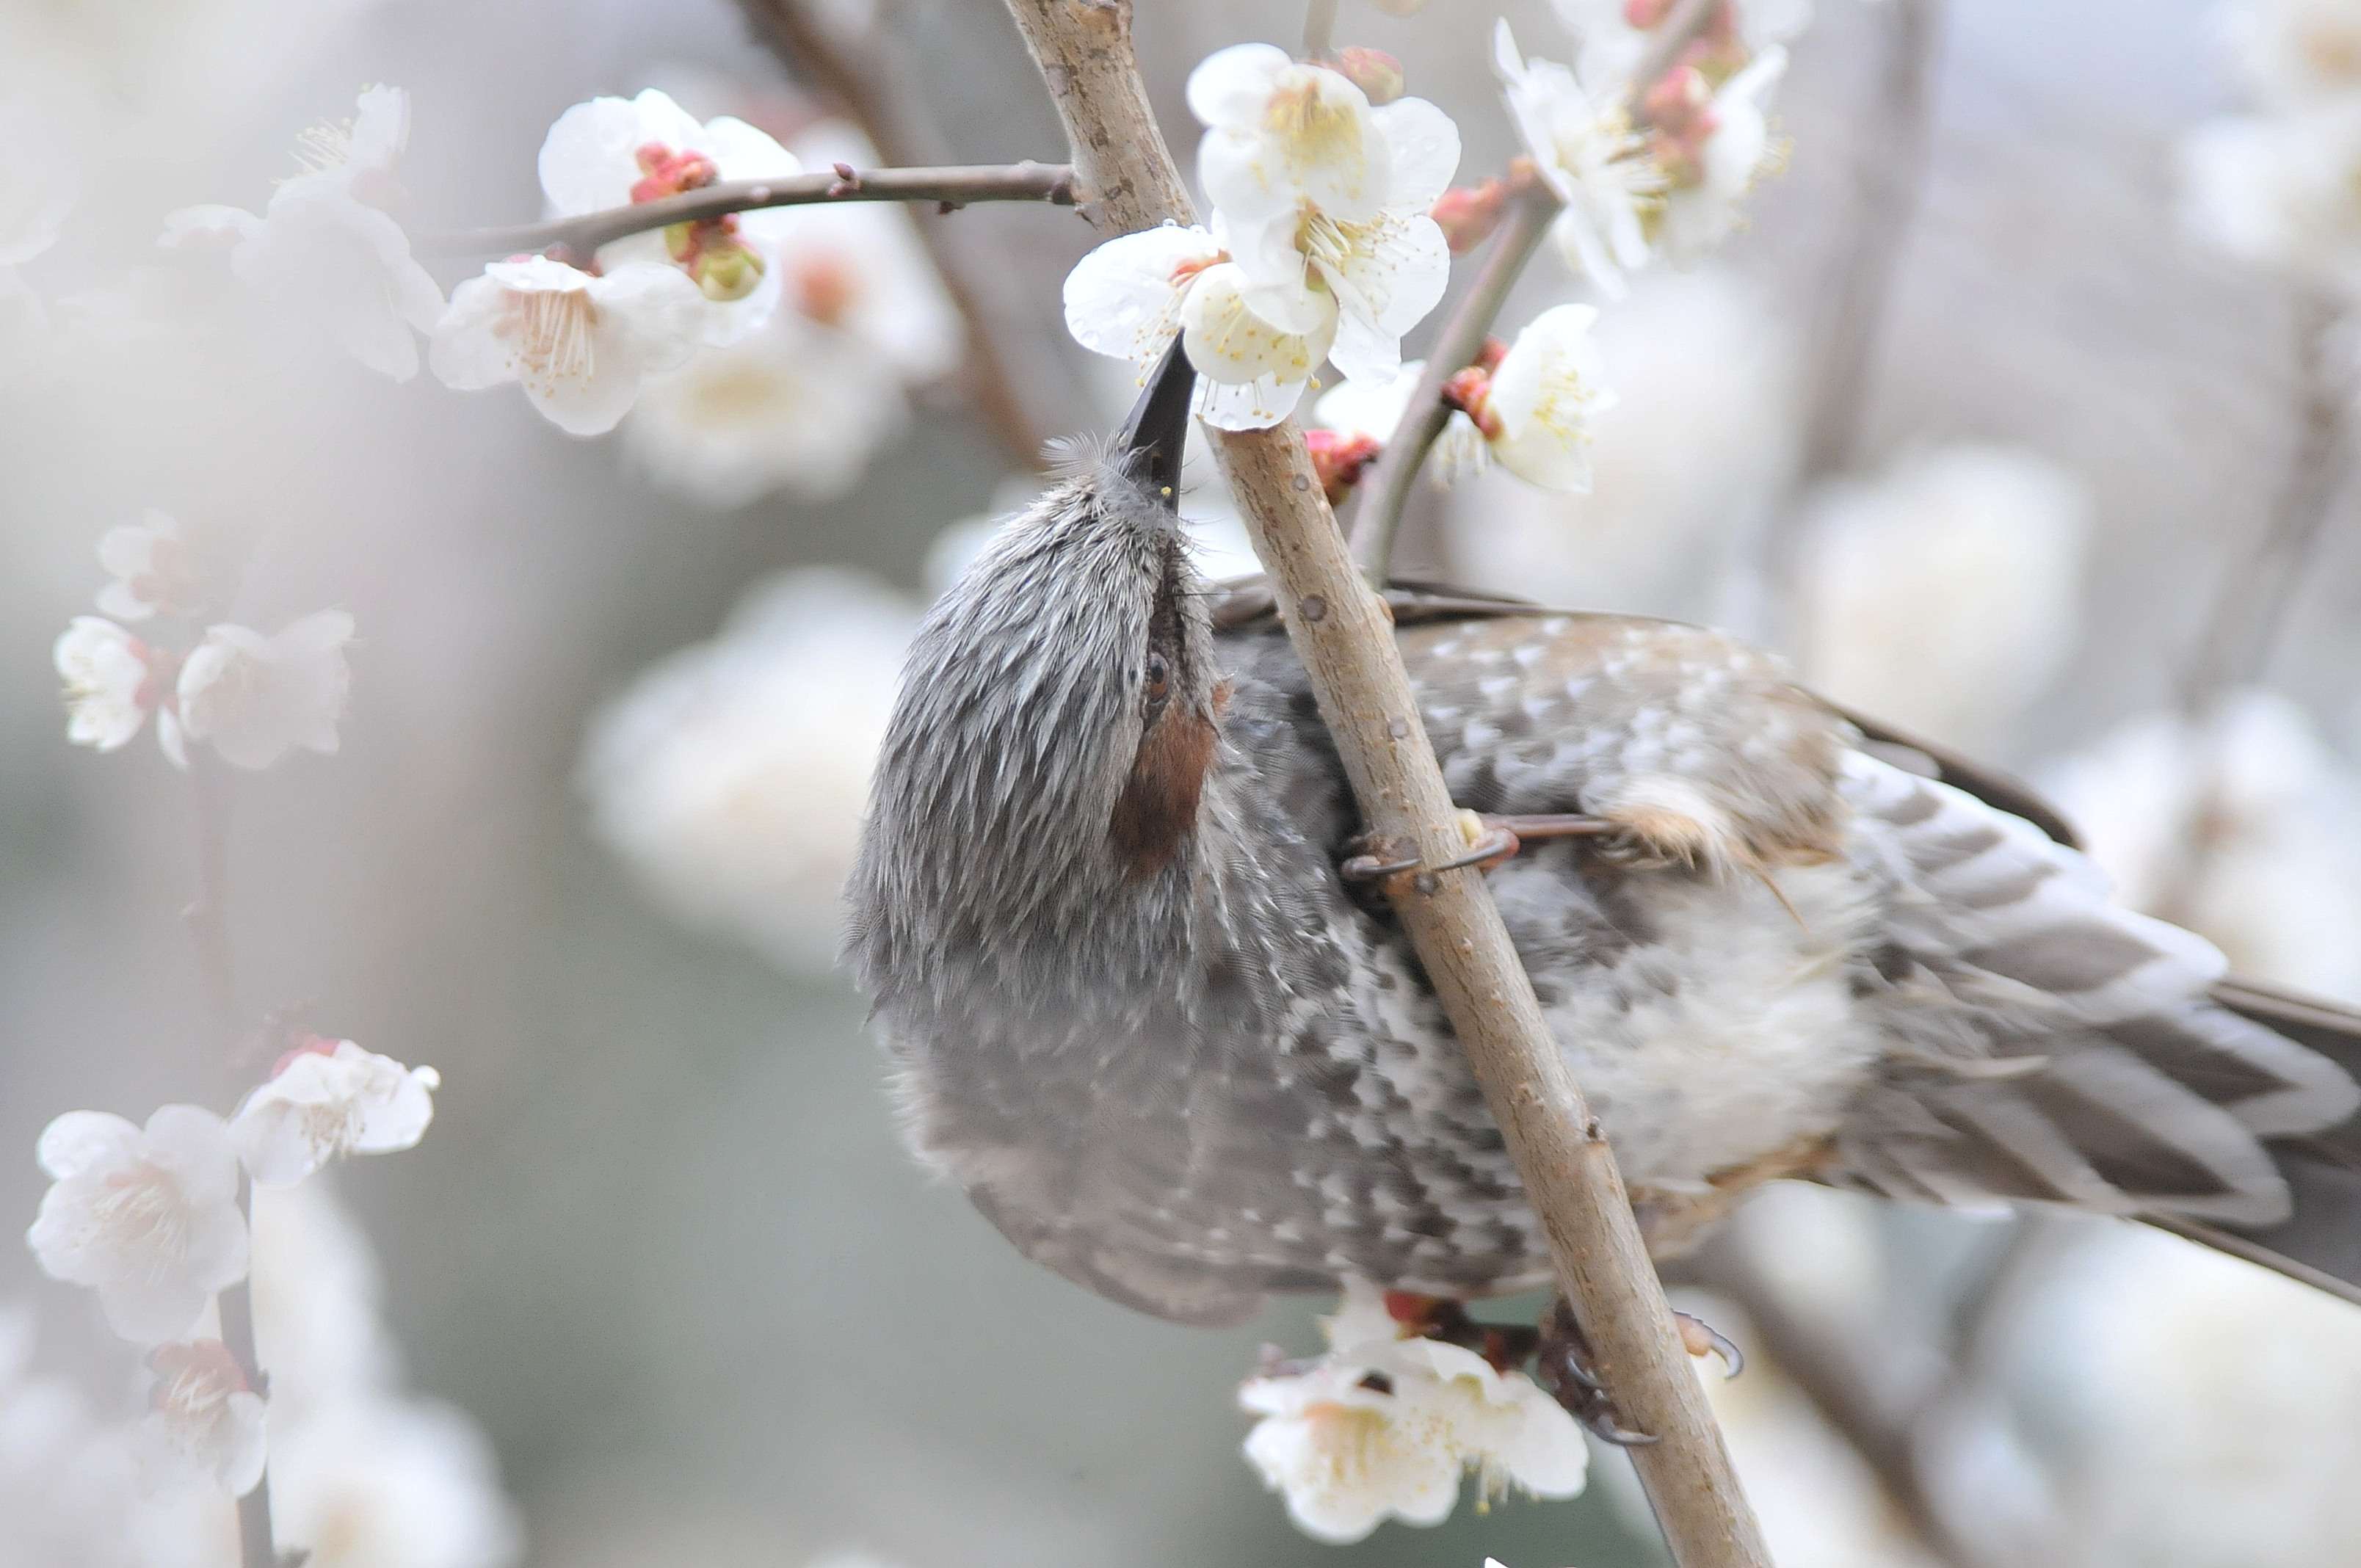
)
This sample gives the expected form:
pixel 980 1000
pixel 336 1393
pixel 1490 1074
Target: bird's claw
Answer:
pixel 1562 1366
pixel 1700 1338
pixel 1490 840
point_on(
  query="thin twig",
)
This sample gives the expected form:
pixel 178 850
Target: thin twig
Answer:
pixel 1389 487
pixel 1386 491
pixel 583 235
pixel 1343 635
pixel 208 918
pixel 1894 146
pixel 1318 28
pixel 2245 625
pixel 872 84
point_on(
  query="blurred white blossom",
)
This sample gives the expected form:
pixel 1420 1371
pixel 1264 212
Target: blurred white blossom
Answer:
pixel 65 1477
pixel 388 1483
pixel 732 775
pixel 860 267
pixel 257 698
pixel 1613 34
pixel 150 564
pixel 206 1423
pixel 1383 1426
pixel 1945 594
pixel 1375 409
pixel 2280 191
pixel 1725 146
pixel 113 682
pixel 147 1217
pixel 1583 142
pixel 325 251
pixel 614 152
pixel 329 1099
pixel 797 407
pixel 318 1297
pixel 579 342
pixel 2246 827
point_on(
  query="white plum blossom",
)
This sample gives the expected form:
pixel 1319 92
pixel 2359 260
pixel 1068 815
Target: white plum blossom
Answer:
pixel 329 1099
pixel 1592 157
pixel 1324 201
pixel 797 407
pixel 257 698
pixel 325 251
pixel 392 1484
pixel 147 1217
pixel 39 181
pixel 1127 298
pixel 1529 408
pixel 860 267
pixel 205 1423
pixel 1701 212
pixel 613 152
pixel 113 682
pixel 1382 1426
pixel 1944 595
pixel 2244 828
pixel 1281 133
pixel 579 342
pixel 1704 436
pixel 1546 391
pixel 150 564
pixel 732 775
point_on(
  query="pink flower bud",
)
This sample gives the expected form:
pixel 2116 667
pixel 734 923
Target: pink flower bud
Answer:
pixel 1470 392
pixel 823 286
pixel 1645 14
pixel 1340 460
pixel 1378 74
pixel 1468 214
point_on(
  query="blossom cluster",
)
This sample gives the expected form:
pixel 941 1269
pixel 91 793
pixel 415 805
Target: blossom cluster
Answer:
pixel 1334 222
pixel 1385 1425
pixel 762 349
pixel 254 697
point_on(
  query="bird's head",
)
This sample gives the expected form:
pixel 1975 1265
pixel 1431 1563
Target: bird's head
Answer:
pixel 1059 713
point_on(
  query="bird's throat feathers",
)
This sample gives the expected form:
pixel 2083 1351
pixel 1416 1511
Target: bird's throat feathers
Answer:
pixel 1159 805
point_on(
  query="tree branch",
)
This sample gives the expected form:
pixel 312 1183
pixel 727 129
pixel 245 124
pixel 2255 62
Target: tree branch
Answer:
pixel 1342 631
pixel 583 235
pixel 209 927
pixel 1386 491
pixel 1318 28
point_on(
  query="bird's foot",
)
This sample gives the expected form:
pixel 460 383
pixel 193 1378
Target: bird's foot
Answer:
pixel 1505 1345
pixel 1564 1365
pixel 1491 841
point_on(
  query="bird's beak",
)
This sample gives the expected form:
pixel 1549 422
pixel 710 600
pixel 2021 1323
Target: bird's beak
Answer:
pixel 1159 426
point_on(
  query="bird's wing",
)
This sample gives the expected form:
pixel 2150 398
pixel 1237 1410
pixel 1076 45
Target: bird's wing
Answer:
pixel 1242 603
pixel 2050 1045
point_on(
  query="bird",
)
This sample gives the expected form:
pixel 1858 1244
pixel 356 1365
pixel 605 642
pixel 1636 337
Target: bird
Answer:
pixel 1142 998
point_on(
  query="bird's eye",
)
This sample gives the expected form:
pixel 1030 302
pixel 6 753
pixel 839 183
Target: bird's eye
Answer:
pixel 1160 678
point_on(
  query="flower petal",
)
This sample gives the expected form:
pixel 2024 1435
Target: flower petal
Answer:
pixel 85 1140
pixel 1122 298
pixel 1423 143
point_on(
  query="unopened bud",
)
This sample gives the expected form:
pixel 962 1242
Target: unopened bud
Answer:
pixel 1470 392
pixel 1645 14
pixel 1340 460
pixel 1378 74
pixel 1468 214
pixel 727 270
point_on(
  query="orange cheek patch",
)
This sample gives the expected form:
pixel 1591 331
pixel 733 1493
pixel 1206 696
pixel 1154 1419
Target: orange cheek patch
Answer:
pixel 1159 803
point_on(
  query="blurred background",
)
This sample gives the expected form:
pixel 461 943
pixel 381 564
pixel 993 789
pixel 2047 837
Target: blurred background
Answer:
pixel 1968 420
